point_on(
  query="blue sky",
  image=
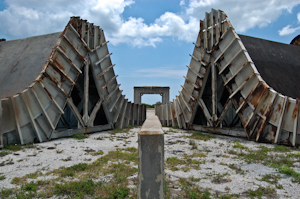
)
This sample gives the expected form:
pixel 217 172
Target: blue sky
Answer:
pixel 150 39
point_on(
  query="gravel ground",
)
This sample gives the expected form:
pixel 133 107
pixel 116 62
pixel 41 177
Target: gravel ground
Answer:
pixel 214 173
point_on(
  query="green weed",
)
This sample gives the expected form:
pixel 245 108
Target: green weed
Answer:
pixel 201 136
pixel 13 147
pixel 271 178
pixel 239 145
pixel 5 193
pixel 18 181
pixel 261 191
pixel 29 187
pixel 281 148
pixel 100 152
pixel 80 136
pixel 193 144
pixel 289 171
pixel 67 159
pixel 75 189
pixel 34 175
pixel 2 177
pixel 3 153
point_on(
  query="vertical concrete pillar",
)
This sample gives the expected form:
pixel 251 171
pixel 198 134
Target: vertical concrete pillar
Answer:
pixel 137 96
pixel 167 95
pixel 1 137
pixel 151 160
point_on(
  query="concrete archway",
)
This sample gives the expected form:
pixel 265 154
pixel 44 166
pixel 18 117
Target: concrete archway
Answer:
pixel 161 90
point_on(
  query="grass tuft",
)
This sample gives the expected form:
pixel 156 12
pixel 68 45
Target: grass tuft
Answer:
pixel 75 189
pixel 13 147
pixel 80 136
pixel 201 136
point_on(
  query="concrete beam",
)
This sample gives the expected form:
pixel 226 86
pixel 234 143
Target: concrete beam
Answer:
pixel 151 159
pixel 163 91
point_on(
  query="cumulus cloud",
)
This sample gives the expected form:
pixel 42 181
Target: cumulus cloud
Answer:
pixel 32 17
pixel 243 14
pixel 287 30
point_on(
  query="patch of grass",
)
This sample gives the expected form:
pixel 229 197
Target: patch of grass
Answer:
pixel 3 153
pixel 79 167
pixel 80 136
pixel 117 130
pixel 119 193
pixel 193 144
pixel 190 190
pixel 13 147
pixel 173 162
pixel 34 175
pixel 201 136
pixel 289 171
pixel 263 156
pixel 281 148
pixel 239 145
pixel 219 179
pixel 271 178
pixel 261 191
pixel 237 169
pixel 100 152
pixel 18 181
pixel 191 178
pixel 29 187
pixel 5 193
pixel 75 189
pixel 59 151
pixel 199 155
pixel 116 165
pixel 2 177
pixel 67 159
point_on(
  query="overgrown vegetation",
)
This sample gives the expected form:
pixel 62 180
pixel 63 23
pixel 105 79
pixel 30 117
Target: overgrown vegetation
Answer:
pixel 201 136
pixel 80 136
pixel 262 191
pixel 81 180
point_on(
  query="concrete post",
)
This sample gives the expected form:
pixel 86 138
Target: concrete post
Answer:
pixel 151 160
pixel 1 136
pixel 137 97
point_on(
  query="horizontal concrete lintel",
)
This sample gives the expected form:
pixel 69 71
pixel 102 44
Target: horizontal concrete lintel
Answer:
pixel 151 126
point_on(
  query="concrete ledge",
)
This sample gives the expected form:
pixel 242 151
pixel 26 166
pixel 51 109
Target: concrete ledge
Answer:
pixel 151 126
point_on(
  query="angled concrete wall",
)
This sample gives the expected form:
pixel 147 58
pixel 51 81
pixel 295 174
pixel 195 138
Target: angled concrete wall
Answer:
pixel 225 93
pixel 61 84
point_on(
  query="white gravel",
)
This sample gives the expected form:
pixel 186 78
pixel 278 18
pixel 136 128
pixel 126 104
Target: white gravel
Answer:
pixel 49 155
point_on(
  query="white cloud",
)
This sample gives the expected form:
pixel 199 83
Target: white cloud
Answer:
pixel 298 17
pixel 162 72
pixel 287 30
pixel 243 14
pixel 32 17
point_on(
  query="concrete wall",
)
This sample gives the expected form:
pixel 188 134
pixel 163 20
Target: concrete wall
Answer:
pixel 163 91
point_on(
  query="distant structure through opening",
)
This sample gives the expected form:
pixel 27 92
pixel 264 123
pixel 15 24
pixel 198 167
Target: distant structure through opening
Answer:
pixel 139 91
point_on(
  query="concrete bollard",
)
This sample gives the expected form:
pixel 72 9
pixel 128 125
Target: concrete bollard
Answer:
pixel 151 160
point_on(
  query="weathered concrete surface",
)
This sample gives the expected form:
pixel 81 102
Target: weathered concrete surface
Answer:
pixel 163 91
pixel 1 139
pixel 151 159
pixel 150 112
